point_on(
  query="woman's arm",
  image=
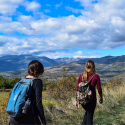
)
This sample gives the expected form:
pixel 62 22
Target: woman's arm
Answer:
pixel 38 96
pixel 78 81
pixel 99 90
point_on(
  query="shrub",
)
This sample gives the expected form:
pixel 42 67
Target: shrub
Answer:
pixel 49 104
pixel 114 82
pixel 62 89
pixel 2 81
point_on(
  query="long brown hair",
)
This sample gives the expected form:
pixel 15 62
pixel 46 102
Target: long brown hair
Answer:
pixel 89 67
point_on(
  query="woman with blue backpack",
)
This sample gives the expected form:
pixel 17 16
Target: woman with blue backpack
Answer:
pixel 86 93
pixel 30 110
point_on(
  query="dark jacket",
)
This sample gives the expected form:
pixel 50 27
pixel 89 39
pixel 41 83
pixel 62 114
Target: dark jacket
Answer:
pixel 38 115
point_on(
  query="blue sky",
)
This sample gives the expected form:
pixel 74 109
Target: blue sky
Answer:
pixel 62 28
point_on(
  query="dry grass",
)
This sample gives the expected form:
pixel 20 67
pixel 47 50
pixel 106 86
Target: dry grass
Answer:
pixel 3 103
pixel 112 109
pixel 112 97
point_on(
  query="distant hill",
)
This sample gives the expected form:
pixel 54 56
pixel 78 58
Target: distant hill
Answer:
pixel 105 71
pixel 16 62
pixel 66 60
pixel 105 60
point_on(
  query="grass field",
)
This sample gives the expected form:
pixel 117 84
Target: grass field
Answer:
pixel 111 112
pixel 3 95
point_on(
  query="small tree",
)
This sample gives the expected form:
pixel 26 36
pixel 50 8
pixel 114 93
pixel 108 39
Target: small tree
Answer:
pixel 64 73
pixel 63 89
pixel 12 82
pixel 2 81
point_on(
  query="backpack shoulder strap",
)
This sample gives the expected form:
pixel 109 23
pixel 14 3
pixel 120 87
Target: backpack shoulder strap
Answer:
pixel 28 80
pixel 91 78
pixel 81 74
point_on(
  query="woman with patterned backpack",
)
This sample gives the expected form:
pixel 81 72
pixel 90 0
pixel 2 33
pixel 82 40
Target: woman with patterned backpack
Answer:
pixel 86 84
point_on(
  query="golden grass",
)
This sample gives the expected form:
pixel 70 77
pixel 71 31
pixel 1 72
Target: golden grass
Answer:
pixel 112 96
pixel 3 103
pixel 68 114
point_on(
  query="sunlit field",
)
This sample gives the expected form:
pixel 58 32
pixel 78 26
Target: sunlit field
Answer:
pixel 59 104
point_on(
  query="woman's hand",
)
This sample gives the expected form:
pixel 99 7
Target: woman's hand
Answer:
pixel 77 104
pixel 101 100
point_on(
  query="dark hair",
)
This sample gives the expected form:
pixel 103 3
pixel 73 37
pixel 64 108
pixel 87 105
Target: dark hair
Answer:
pixel 89 67
pixel 35 68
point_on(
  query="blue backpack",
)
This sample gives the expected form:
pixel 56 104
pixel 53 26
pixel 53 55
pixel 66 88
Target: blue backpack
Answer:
pixel 18 97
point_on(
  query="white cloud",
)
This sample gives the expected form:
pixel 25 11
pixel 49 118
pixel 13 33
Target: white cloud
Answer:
pixel 8 7
pixel 5 19
pixel 74 10
pixel 58 5
pixel 77 54
pixel 23 18
pixel 85 2
pixel 47 11
pixel 11 1
pixel 32 6
pixel 101 27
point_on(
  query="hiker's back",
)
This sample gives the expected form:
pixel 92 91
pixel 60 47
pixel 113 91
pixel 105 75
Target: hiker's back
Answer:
pixel 85 78
pixel 32 116
pixel 35 69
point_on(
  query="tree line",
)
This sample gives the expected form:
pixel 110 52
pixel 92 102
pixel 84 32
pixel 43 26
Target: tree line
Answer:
pixel 7 83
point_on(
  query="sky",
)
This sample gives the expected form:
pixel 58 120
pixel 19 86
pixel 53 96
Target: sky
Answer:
pixel 62 28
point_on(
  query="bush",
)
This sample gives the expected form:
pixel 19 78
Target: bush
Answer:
pixel 114 82
pixel 12 82
pixel 49 104
pixel 2 81
pixel 62 89
pixel 3 88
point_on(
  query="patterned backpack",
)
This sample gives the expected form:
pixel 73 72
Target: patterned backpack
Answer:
pixel 84 94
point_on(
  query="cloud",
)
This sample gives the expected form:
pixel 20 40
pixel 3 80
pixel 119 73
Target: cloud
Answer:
pixel 77 54
pixel 79 33
pixel 32 6
pixel 48 5
pixel 74 10
pixel 23 18
pixel 47 11
pixel 58 5
pixel 86 3
pixel 101 27
pixel 8 7
pixel 5 19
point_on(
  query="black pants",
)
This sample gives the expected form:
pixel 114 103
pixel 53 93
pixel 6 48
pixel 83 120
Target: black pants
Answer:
pixel 88 117
pixel 28 119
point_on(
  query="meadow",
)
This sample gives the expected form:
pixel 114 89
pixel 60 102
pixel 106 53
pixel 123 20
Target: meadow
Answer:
pixel 59 103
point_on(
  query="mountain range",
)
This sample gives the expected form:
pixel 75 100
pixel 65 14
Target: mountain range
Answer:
pixel 105 60
pixel 16 62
